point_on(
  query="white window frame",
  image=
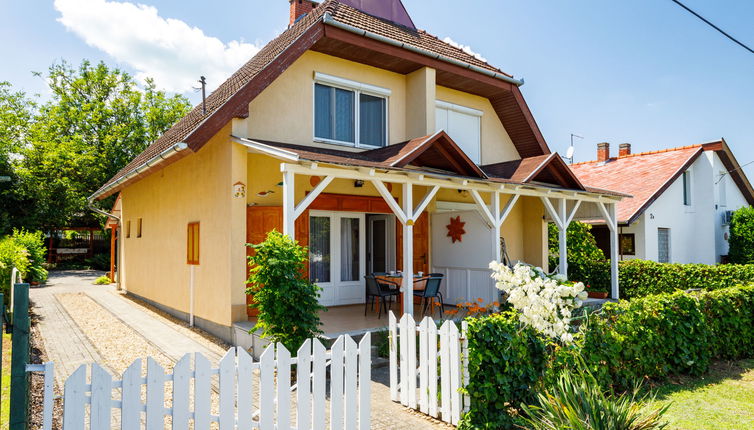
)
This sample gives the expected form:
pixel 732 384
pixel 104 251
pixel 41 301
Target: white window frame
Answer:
pixel 358 88
pixel 466 111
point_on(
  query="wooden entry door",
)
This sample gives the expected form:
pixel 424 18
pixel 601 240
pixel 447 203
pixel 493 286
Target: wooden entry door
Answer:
pixel 421 244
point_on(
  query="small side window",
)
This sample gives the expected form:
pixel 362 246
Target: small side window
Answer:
pixel 128 229
pixel 192 243
pixel 138 227
pixel 687 188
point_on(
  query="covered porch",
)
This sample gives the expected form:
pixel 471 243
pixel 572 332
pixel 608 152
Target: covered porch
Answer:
pixel 395 209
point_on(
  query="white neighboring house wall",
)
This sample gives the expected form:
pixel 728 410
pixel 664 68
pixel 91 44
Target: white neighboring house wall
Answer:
pixel 637 229
pixel 696 230
pixel 728 197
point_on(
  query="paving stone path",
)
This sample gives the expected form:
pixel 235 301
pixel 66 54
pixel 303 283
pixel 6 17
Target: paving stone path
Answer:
pixel 69 347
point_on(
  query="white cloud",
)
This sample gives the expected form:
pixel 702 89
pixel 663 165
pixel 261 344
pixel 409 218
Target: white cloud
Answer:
pixel 168 50
pixel 465 48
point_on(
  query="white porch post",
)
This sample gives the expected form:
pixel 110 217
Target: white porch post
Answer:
pixel 289 204
pixel 497 226
pixel 609 212
pixel 562 234
pixel 613 251
pixel 408 249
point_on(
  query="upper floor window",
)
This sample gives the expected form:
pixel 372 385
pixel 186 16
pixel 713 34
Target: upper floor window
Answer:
pixel 463 125
pixel 349 113
pixel 687 188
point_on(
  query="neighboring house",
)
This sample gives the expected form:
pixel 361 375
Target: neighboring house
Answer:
pixel 362 137
pixel 682 200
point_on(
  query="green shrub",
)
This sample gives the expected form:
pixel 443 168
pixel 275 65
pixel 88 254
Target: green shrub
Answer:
pixel 506 362
pixel 288 303
pixel 741 238
pixel 102 280
pixel 730 319
pixel 575 401
pixel 649 337
pixel 639 278
pixel 12 254
pixel 34 244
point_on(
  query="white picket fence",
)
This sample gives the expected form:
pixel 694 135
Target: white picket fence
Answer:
pixel 188 391
pixel 453 369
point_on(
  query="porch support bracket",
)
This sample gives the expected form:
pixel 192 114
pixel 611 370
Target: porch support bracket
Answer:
pixel 301 207
pixel 382 189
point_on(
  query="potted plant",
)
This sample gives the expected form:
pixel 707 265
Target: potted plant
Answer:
pixel 596 293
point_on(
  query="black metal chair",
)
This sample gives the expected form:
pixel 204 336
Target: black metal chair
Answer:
pixel 431 291
pixel 379 289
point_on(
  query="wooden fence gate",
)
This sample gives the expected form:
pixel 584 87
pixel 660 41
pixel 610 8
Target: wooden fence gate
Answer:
pixel 439 387
pixel 239 394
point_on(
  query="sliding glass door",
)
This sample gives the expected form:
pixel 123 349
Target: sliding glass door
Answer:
pixel 337 244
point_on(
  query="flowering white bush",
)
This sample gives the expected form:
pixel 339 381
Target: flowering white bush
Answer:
pixel 543 302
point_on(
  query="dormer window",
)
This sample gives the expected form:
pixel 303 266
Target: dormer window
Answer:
pixel 349 113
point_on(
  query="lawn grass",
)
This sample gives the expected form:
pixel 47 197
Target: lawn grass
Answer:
pixel 723 399
pixel 5 381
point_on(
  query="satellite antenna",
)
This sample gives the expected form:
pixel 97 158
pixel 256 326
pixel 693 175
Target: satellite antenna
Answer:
pixel 572 149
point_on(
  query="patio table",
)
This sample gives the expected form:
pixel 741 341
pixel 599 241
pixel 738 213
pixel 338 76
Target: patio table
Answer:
pixel 397 278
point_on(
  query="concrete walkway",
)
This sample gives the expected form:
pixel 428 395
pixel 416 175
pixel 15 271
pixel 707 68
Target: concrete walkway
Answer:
pixel 69 347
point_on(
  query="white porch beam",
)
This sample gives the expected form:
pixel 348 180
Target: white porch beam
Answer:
pixel 508 208
pixel 301 207
pixel 289 204
pixel 573 212
pixel 554 214
pixel 408 249
pixel 496 226
pixel 425 201
pixel 483 209
pixel 609 218
pixel 382 189
pixel 446 182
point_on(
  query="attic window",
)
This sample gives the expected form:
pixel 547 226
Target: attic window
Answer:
pixel 687 188
pixel 349 113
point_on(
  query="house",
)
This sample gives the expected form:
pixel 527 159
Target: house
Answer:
pixel 682 200
pixel 362 137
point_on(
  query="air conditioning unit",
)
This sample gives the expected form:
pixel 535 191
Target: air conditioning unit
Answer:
pixel 727 215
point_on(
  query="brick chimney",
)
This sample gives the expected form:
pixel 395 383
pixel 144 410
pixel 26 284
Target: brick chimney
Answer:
pixel 300 8
pixel 624 149
pixel 603 151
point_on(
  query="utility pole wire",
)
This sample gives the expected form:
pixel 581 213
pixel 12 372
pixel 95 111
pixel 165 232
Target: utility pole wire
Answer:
pixel 713 25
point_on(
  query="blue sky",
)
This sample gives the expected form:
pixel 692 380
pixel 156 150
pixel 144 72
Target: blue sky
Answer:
pixel 644 71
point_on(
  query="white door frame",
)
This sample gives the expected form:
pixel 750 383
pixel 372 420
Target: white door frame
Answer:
pixel 389 240
pixel 332 291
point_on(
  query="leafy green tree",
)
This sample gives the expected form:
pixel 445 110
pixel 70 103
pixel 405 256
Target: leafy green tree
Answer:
pixel 741 238
pixel 16 112
pixel 95 122
pixel 586 261
pixel 288 303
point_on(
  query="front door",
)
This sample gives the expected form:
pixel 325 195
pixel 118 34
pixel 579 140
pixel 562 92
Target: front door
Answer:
pixel 337 256
pixel 380 243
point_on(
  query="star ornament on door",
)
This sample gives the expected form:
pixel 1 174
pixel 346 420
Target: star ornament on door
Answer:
pixel 455 229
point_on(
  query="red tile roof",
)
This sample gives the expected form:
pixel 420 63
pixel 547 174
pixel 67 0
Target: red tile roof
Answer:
pixel 642 175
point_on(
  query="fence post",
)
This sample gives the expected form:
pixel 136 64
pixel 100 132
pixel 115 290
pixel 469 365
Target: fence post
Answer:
pixel 19 378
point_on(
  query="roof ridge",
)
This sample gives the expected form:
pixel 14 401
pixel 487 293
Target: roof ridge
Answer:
pixel 639 154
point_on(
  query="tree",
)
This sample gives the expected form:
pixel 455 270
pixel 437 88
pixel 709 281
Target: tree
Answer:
pixel 16 112
pixel 96 121
pixel 741 240
pixel 586 261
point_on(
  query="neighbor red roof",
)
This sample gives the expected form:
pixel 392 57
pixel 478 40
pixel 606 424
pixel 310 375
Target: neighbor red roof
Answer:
pixel 643 175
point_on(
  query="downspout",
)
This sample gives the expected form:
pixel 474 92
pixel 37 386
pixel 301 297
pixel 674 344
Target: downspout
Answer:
pixel 157 159
pixel 329 20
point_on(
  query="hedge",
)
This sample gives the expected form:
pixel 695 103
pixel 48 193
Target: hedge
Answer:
pixel 25 251
pixel 640 278
pixel 650 337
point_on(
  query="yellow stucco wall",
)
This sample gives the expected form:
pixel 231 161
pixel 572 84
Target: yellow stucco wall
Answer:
pixel 195 188
pixel 497 146
pixel 284 111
